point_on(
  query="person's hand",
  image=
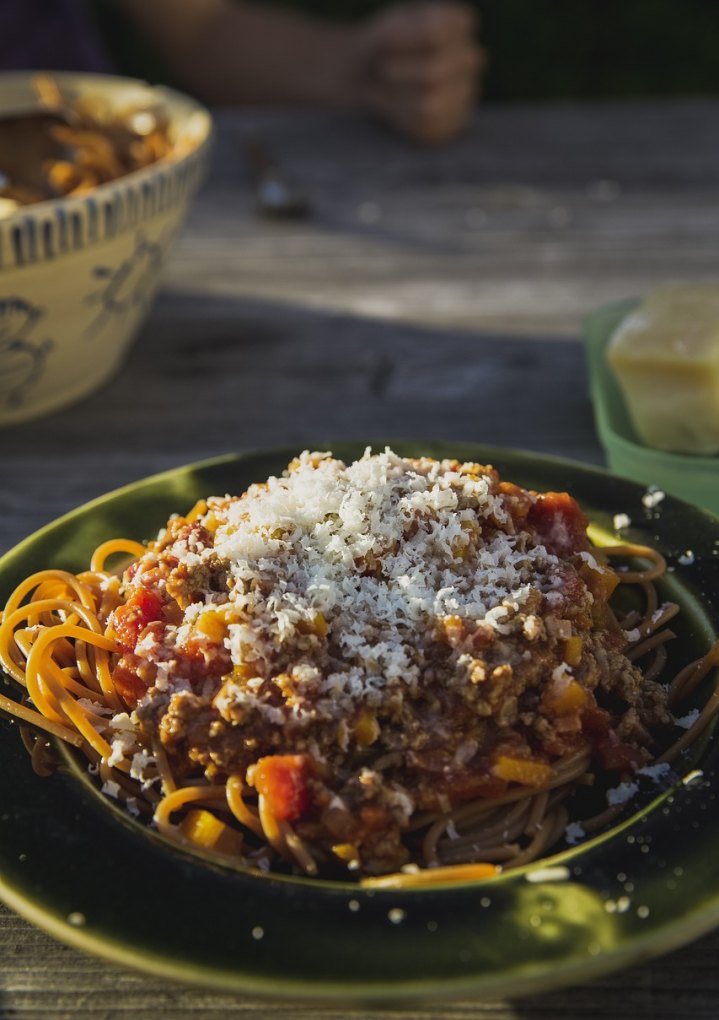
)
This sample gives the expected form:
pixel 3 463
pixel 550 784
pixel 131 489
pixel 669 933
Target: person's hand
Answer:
pixel 419 68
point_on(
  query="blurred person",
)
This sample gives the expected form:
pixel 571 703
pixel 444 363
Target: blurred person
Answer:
pixel 416 65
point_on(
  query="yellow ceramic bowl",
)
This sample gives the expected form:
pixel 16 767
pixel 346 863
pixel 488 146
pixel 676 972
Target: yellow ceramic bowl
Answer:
pixel 77 274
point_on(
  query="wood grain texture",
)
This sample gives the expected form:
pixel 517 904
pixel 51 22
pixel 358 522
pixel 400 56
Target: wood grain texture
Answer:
pixel 431 293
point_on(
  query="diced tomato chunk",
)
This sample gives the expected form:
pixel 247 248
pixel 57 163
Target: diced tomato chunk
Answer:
pixel 282 779
pixel 617 756
pixel 128 684
pixel 130 619
pixel 560 523
pixel 596 720
pixel 374 818
pixel 468 786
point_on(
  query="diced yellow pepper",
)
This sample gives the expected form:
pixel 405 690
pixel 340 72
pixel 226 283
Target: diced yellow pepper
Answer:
pixel 198 510
pixel 212 624
pixel 204 829
pixel 211 522
pixel 452 629
pixel 460 549
pixel 522 770
pixel 320 625
pixel 601 581
pixel 317 625
pixel 573 650
pixel 346 852
pixel 366 729
pixel 243 671
pixel 571 699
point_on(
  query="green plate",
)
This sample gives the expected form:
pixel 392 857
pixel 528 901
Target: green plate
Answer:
pixel 76 866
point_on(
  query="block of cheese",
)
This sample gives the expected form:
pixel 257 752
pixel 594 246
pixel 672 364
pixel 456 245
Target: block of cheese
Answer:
pixel 665 358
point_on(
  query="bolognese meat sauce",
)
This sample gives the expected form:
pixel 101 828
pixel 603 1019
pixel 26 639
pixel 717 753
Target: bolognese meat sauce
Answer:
pixel 362 643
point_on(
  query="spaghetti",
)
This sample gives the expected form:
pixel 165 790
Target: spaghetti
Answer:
pixel 404 670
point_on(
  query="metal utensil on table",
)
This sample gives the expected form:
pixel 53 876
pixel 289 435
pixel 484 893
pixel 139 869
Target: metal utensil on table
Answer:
pixel 276 196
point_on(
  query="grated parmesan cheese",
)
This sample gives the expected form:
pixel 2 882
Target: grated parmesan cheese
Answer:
pixel 688 720
pixel 655 772
pixel 574 833
pixel 622 793
pixel 653 497
pixel 379 549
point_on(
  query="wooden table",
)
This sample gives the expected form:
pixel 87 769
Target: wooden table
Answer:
pixel 430 294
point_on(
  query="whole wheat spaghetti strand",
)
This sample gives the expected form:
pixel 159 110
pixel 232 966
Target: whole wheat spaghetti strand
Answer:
pixel 111 548
pixel 602 819
pixel 634 551
pixel 566 772
pixel 129 787
pixel 659 618
pixel 498 852
pixel 510 823
pixel 298 849
pixel 688 679
pixel 706 716
pixel 50 695
pixel 432 876
pixel 245 815
pixel 272 830
pixel 658 663
pixel 12 654
pixel 168 783
pixel 538 810
pixel 39 721
pixel 41 757
pixel 649 644
pixel 84 594
pixel 180 798
pixel 544 837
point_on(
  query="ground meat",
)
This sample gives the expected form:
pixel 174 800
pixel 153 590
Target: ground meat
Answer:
pixel 393 719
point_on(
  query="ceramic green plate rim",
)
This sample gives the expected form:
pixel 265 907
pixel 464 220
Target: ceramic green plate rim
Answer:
pixel 634 893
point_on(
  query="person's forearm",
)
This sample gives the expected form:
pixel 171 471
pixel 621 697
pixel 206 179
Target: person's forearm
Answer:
pixel 240 53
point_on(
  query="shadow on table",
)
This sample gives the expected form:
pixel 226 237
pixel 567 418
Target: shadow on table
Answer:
pixel 215 374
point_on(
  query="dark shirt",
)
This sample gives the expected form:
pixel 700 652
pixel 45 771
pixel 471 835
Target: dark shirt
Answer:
pixel 51 35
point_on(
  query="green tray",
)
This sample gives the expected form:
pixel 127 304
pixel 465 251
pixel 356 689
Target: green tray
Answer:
pixel 694 479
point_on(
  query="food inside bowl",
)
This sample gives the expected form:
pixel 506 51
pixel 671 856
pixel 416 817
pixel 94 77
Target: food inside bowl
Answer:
pixel 70 146
pixel 665 358
pixel 398 670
